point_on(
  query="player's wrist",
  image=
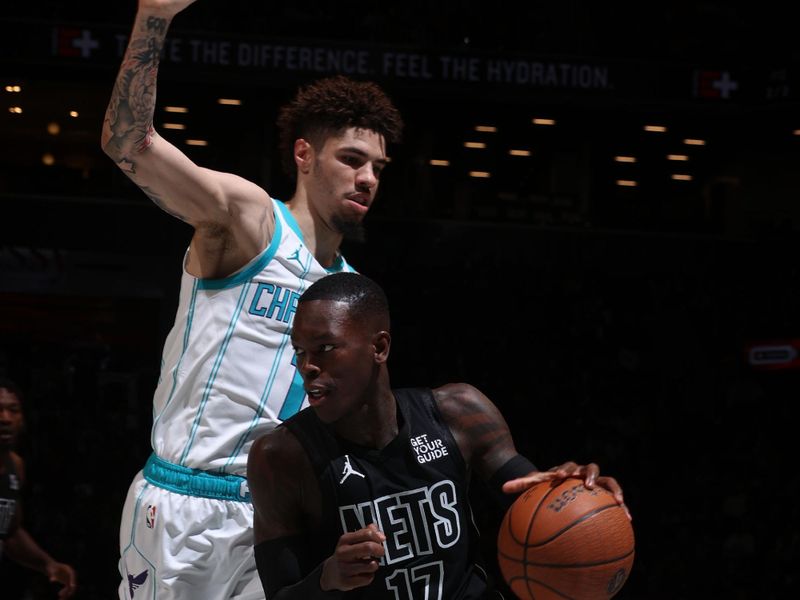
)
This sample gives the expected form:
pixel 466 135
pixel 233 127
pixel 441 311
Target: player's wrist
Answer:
pixel 324 579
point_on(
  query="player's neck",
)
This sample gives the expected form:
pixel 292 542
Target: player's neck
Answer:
pixel 375 424
pixel 322 241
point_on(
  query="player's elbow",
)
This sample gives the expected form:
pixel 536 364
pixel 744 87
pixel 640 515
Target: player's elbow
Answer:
pixel 122 148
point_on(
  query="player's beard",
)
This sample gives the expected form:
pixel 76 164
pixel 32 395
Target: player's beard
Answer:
pixel 352 231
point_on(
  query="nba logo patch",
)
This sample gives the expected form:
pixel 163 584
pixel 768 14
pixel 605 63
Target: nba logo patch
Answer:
pixel 150 516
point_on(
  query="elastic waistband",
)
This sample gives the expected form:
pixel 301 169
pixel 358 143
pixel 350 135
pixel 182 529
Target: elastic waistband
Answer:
pixel 195 482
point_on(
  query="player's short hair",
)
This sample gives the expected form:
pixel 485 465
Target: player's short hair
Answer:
pixel 365 298
pixel 7 384
pixel 329 106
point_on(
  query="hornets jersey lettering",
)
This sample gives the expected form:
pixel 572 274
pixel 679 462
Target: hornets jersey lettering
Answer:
pixel 420 506
pixel 228 366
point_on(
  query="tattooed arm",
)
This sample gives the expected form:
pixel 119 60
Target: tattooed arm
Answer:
pixel 484 439
pixel 232 217
pixel 479 429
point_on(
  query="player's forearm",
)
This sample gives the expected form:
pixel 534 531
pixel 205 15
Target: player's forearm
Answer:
pixel 128 124
pixel 309 588
pixel 22 549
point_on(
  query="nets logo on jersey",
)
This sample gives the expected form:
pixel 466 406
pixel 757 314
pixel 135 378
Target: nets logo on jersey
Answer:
pixel 428 450
pixel 415 522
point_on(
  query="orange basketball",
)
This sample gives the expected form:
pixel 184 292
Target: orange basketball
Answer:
pixel 561 540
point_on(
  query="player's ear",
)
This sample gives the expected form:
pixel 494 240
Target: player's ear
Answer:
pixel 382 342
pixel 303 155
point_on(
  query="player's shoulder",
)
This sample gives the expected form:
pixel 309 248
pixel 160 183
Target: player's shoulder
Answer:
pixel 276 446
pixel 455 399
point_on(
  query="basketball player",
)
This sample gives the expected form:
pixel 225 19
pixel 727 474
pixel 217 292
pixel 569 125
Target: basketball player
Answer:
pixel 15 541
pixel 228 370
pixel 367 488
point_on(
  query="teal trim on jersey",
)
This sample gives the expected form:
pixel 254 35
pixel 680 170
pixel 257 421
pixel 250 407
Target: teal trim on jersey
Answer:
pixel 195 482
pixel 294 399
pixel 273 372
pixel 186 333
pixel 215 369
pixel 339 263
pixel 251 270
pixel 290 220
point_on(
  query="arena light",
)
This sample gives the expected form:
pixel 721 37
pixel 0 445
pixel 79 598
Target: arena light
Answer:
pixel 540 121
pixel 625 159
pixel 486 128
pixel 196 143
pixel 229 101
pixel 478 145
pixel 480 174
pixel 655 128
pixel 176 109
pixel 627 183
pixel 694 142
pixel 179 126
pixel 677 157
pixel 436 162
pixel 519 152
pixel 681 177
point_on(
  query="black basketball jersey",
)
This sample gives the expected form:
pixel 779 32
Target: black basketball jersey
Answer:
pixel 414 490
pixel 9 496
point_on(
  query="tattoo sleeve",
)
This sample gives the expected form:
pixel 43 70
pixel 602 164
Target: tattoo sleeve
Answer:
pixel 128 125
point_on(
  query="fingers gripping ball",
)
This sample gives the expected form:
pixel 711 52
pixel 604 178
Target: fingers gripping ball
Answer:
pixel 561 540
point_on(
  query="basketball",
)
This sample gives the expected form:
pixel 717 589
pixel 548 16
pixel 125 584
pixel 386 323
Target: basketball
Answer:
pixel 561 540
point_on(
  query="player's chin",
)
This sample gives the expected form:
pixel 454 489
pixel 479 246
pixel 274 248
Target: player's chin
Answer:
pixel 325 413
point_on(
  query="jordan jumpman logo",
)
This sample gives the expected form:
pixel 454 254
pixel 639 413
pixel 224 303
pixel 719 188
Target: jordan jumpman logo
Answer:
pixel 349 470
pixel 296 256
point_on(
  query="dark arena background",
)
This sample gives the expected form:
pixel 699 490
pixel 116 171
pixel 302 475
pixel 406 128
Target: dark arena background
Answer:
pixel 593 217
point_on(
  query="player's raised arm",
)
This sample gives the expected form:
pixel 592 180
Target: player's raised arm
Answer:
pixel 231 216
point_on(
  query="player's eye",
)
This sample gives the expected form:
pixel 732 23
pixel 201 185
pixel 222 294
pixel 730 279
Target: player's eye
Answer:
pixel 326 347
pixel 299 351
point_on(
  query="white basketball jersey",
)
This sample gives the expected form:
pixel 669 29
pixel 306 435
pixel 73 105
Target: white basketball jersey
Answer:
pixel 228 370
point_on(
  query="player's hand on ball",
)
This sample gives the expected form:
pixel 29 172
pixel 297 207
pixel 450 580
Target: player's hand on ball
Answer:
pixel 589 473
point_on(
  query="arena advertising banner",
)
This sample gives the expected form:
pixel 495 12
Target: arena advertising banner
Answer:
pixel 265 62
